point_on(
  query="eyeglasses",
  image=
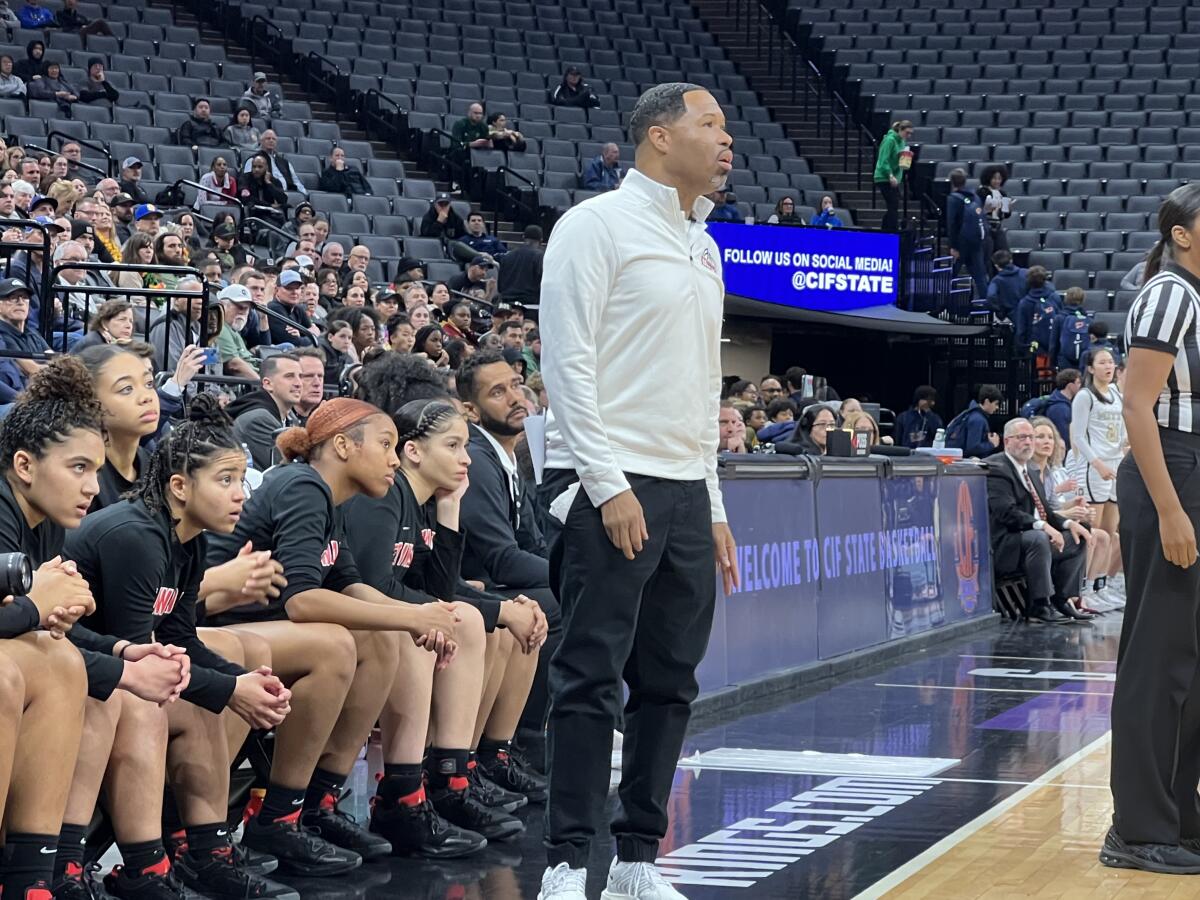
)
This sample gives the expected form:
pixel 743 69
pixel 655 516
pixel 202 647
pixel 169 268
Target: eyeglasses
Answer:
pixel 1020 437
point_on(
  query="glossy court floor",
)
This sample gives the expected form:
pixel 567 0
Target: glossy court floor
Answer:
pixel 976 769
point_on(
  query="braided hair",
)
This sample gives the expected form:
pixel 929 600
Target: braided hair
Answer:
pixel 419 419
pixel 58 399
pixel 206 433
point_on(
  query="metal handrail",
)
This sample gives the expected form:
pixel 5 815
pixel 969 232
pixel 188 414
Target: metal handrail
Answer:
pixel 106 172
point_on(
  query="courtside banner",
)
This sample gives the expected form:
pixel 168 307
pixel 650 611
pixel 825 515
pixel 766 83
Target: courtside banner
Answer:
pixel 828 269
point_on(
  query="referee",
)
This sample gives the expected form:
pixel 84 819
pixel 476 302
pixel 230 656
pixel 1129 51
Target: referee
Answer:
pixel 636 560
pixel 1156 704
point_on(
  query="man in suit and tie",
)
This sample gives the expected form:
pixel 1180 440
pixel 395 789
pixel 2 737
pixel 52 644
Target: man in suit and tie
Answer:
pixel 1030 537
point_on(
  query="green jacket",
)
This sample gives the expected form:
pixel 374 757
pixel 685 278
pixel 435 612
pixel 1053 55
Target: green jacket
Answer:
pixel 888 162
pixel 465 131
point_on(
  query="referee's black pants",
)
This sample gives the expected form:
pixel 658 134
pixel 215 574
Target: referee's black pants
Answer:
pixel 1156 703
pixel 648 621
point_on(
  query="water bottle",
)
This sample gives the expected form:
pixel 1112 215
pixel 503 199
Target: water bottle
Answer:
pixel 939 439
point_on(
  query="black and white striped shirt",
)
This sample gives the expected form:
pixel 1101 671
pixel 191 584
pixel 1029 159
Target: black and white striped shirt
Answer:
pixel 1166 317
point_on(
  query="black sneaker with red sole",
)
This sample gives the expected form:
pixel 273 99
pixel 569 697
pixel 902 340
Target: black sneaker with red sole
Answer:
pixel 339 827
pixel 158 882
pixel 223 874
pixel 298 850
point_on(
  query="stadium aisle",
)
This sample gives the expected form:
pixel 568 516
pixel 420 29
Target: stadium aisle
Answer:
pixel 897 759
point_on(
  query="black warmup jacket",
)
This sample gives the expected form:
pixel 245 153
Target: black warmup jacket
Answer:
pixel 41 544
pixel 504 545
pixel 146 584
pixel 292 515
pixel 113 483
pixel 403 552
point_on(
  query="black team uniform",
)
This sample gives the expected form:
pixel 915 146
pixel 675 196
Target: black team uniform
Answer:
pixel 292 515
pixel 143 862
pixel 146 585
pixel 403 552
pixel 113 484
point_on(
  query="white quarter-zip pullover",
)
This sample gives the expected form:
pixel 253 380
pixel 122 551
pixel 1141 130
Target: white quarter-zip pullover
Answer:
pixel 631 308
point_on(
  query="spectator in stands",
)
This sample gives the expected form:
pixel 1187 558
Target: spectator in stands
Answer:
pixel 282 171
pixel 9 20
pixel 257 189
pixel 781 421
pixel 186 223
pixel 329 284
pixel 168 251
pixel 180 324
pixel 357 262
pixel 241 133
pixel 731 429
pixel 333 255
pixel 744 391
pixel 917 426
pixel 966 228
pixel 440 295
pixel 1007 286
pixel 813 427
pixel 401 333
pixel 441 221
pixel 471 132
pixel 828 216
pixel 53 86
pixel 997 205
pixel 265 102
pixel 532 352
pixel 1028 536
pixel 574 91
pixel 32 169
pixel 458 323
pixel 31 66
pixel 131 179
pixel 10 84
pixel 428 343
pixel 312 377
pixel 75 170
pixel 479 274
pixel 785 213
pixel 409 269
pixel 287 303
pixel 893 159
pixel 338 346
pixel 111 324
pixel 1069 336
pixel 1134 277
pixel 1035 314
pixel 724 209
pixel 23 194
pixel 147 219
pixel 70 19
pixel 755 418
pixel 259 414
pixel 199 130
pixel 478 239
pixel 512 336
pixel 970 431
pixel 364 324
pixel 503 137
pixel 794 382
pixel 221 184
pixel 603 173
pixel 97 86
pixel 520 275
pixel 34 15
pixel 770 388
pixel 341 178
pixel 122 207
pixel 107 189
pixel 420 316
pixel 16 333
pixel 8 202
pixel 230 251
pixel 414 295
pixel 27 265
pixel 137 251
pixel 387 303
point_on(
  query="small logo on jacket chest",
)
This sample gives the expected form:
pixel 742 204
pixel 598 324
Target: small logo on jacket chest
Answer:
pixel 706 260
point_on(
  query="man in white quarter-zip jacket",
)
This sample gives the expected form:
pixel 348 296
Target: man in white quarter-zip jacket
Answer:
pixel 635 567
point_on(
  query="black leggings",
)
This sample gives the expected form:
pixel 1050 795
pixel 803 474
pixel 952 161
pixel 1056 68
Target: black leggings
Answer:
pixel 891 197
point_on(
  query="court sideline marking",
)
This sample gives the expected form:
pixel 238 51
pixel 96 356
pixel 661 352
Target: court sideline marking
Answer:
pixel 897 877
pixel 1106 662
pixel 955 687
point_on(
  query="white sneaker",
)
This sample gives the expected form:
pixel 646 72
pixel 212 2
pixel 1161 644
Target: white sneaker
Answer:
pixel 1112 598
pixel 1118 581
pixel 563 883
pixel 637 881
pixel 1094 601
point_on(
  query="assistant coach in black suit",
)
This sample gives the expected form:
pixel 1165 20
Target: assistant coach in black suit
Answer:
pixel 1030 537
